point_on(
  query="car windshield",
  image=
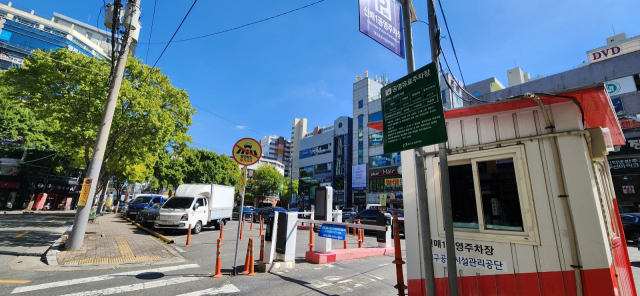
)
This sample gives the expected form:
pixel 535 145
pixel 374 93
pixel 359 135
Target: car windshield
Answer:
pixel 156 206
pixel 178 203
pixel 141 200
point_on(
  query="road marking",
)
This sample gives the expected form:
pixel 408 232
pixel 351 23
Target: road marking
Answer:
pixel 19 235
pixel 178 249
pixel 99 278
pixel 52 220
pixel 41 225
pixel 142 286
pixel 227 288
pixel 13 282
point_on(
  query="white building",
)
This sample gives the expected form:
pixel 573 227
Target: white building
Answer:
pixel 278 149
pixel 298 131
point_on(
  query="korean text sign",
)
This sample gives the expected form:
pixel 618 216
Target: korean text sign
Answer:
pixel 381 20
pixel 333 231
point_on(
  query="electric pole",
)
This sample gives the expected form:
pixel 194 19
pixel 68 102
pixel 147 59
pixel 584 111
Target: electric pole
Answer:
pixel 76 238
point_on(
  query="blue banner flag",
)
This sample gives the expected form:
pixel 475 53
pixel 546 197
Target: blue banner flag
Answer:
pixel 381 20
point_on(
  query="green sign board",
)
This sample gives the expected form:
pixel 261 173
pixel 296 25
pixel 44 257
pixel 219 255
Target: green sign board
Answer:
pixel 412 112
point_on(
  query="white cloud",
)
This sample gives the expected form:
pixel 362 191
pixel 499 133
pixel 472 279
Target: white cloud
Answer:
pixel 241 126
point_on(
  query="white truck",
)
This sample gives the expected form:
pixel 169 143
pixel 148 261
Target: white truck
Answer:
pixel 201 205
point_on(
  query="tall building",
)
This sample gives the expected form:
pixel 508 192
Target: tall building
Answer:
pixel 324 160
pixel 278 149
pixel 298 131
pixel 615 66
pixel 377 175
pixel 21 32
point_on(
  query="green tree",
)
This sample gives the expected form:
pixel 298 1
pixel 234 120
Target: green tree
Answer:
pixel 68 91
pixel 19 124
pixel 268 181
pixel 286 192
pixel 192 165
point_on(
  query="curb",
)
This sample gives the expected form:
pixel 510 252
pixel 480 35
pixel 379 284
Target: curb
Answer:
pixel 50 254
pixel 158 235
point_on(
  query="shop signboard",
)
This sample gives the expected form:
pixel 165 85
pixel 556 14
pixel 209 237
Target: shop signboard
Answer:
pixel 632 146
pixel 624 166
pixel 412 112
pixel 385 172
pixel 629 189
pixel 620 86
pixel 630 122
pixel 359 177
pixel 381 20
pixel 617 105
pixel 383 199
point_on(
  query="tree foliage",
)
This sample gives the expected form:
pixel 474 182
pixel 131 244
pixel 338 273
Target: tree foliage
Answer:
pixel 68 91
pixel 20 124
pixel 192 165
pixel 268 181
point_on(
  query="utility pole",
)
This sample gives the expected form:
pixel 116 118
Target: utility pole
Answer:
pixel 452 270
pixel 76 238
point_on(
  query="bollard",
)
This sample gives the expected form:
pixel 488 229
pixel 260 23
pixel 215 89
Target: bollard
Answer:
pixel 188 236
pixel 398 262
pixel 345 243
pixel 221 230
pixel 360 238
pixel 218 260
pixel 311 238
pixel 242 229
pixel 251 260
pixel 246 259
pixel 261 248
pixel 261 226
pixel 251 225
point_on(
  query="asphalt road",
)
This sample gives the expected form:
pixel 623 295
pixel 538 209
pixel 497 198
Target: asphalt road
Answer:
pixel 373 276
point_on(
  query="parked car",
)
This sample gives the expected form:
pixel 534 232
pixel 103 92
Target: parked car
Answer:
pixel 143 202
pixel 198 205
pixel 631 226
pixel 267 213
pixel 148 217
pixel 247 212
pixel 369 217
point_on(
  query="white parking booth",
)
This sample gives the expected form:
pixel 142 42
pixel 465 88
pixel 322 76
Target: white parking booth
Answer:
pixel 534 210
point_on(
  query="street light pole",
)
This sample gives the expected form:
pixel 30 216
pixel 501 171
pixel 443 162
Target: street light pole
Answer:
pixel 76 238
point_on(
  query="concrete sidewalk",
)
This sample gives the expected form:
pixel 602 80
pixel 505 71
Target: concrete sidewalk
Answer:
pixel 111 240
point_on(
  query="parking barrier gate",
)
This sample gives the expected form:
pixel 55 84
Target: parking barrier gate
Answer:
pixel 311 238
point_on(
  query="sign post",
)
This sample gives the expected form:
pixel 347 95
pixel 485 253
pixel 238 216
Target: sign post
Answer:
pixel 246 152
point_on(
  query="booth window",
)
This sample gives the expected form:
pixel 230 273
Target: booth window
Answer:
pixel 490 194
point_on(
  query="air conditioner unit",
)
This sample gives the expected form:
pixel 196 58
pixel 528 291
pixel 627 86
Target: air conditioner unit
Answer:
pixel 601 142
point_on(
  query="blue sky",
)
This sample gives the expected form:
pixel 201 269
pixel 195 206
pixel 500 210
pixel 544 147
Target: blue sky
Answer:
pixel 304 64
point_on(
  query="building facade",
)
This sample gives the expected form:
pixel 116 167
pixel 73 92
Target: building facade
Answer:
pixel 277 149
pixel 323 160
pixel 21 32
pixel 615 66
pixel 298 131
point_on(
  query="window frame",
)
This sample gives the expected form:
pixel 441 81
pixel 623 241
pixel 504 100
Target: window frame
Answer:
pixel 530 233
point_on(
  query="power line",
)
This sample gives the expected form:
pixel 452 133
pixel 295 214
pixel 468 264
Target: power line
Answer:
pixel 174 34
pixel 153 18
pixel 231 121
pixel 451 40
pixel 245 25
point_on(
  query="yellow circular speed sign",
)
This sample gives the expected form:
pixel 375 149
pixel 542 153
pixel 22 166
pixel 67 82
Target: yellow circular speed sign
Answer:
pixel 247 151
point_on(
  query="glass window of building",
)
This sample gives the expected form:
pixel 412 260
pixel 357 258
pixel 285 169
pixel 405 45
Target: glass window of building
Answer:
pixel 375 117
pixel 323 168
pixel 360 104
pixel 306 171
pixel 360 138
pixel 384 160
pixel 375 139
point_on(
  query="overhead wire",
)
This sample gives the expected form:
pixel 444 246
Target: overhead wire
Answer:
pixel 153 18
pixel 444 17
pixel 229 120
pixel 239 27
pixel 174 33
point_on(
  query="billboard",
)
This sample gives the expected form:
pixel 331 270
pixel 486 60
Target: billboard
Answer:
pixel 381 20
pixel 359 177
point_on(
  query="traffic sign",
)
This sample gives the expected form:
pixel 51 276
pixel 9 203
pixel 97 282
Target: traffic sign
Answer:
pixel 412 112
pixel 247 151
pixel 84 194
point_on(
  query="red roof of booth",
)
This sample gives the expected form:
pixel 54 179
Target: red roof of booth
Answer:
pixel 598 110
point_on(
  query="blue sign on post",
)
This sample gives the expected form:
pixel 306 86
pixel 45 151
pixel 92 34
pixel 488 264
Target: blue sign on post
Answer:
pixel 381 20
pixel 333 231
